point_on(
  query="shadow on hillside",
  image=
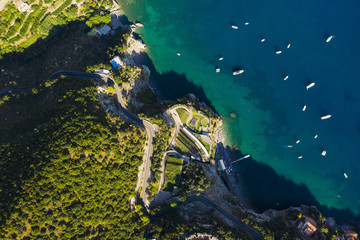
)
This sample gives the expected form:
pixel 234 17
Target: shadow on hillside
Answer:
pixel 67 47
pixel 266 189
pixel 172 86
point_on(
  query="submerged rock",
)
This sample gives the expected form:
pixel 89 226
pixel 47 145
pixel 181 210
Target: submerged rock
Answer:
pixel 233 115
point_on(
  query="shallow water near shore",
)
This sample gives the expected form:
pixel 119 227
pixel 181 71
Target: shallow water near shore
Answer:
pixel 269 109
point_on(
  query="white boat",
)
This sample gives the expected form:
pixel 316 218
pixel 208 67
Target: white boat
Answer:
pixel 310 86
pixel 139 24
pixel 323 153
pixel 247 23
pixel 220 59
pixel 345 175
pixel 289 146
pixel 304 108
pixel 238 72
pixel 178 54
pixel 263 40
pixel 329 38
pixel 325 117
pixel 286 77
pixel 278 52
pixel 298 141
pixel 288 46
pixel 315 136
pixel 299 157
pixel 234 26
pixel 217 70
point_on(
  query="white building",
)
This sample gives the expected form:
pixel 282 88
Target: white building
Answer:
pixel 21 6
pixel 221 165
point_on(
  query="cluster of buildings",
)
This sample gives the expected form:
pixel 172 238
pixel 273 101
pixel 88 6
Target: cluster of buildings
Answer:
pixel 106 28
pixel 308 227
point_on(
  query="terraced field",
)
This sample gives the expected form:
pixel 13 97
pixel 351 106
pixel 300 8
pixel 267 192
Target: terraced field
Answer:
pixel 172 172
pixel 18 30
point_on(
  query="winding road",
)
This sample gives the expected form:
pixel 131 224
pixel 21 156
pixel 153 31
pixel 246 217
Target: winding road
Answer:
pixel 149 128
pixel 250 231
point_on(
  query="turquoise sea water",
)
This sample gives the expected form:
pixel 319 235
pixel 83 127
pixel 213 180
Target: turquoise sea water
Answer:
pixel 269 109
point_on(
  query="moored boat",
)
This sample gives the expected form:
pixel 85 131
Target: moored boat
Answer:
pixel 286 77
pixel 238 72
pixel 326 117
pixel 278 52
pixel 304 108
pixel 234 27
pixel 345 175
pixel 329 38
pixel 310 86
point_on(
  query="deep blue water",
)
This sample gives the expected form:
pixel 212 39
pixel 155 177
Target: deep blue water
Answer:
pixel 269 109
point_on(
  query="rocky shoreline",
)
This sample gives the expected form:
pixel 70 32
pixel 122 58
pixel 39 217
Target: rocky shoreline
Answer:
pixel 218 192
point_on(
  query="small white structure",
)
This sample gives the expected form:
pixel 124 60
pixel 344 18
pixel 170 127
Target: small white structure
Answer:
pixel 221 165
pixel 117 63
pixel 21 6
pixel 105 30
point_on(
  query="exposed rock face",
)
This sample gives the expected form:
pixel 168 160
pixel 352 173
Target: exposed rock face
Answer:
pixel 136 85
pixel 140 80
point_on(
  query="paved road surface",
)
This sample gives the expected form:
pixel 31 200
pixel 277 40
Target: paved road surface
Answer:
pixel 250 231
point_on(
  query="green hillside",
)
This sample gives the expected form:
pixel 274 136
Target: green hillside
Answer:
pixel 67 168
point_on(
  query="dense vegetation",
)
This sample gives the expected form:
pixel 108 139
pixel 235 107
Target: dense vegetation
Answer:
pixel 173 225
pixel 19 30
pixel 67 168
pixel 193 178
pixel 160 145
pixel 66 48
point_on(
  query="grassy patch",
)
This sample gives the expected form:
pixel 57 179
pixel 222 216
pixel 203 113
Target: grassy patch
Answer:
pixel 183 114
pixel 202 121
pixel 172 172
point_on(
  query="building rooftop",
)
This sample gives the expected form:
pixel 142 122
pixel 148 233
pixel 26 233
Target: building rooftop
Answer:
pixel 193 122
pixel 116 62
pixel 221 165
pixel 308 227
